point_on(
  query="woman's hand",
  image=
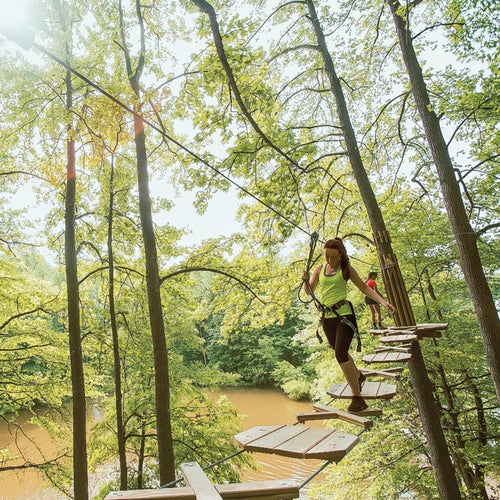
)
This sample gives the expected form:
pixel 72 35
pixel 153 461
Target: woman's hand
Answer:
pixel 306 276
pixel 390 308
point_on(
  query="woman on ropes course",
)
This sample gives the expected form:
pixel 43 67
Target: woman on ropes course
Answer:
pixel 373 305
pixel 338 319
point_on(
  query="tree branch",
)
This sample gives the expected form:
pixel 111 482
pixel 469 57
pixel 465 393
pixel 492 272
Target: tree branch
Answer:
pixel 209 10
pixel 212 270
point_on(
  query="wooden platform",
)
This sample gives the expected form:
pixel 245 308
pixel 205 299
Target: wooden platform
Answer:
pixel 387 357
pixel 297 441
pixel 370 390
pixel 201 489
pixel 422 330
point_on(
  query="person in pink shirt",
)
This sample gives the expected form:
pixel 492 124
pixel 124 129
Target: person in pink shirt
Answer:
pixel 373 304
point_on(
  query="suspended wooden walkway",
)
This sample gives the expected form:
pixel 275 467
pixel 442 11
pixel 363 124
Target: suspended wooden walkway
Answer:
pixel 298 441
pixel 301 441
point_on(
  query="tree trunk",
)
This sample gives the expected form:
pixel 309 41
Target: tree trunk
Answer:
pixel 393 282
pixel 141 456
pixel 162 385
pixel 166 462
pixel 120 428
pixel 465 236
pixel 80 473
pixel 438 449
pixel 473 478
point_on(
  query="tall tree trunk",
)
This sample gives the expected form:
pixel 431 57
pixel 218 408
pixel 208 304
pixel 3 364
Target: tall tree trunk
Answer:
pixel 120 428
pixel 465 236
pixel 166 461
pixel 80 470
pixel 438 449
pixel 162 384
pixel 141 455
pixel 472 478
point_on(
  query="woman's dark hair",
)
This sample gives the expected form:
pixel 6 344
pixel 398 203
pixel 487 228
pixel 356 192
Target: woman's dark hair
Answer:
pixel 337 244
pixel 371 275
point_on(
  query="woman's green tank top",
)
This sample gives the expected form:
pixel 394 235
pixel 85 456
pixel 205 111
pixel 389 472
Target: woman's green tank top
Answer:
pixel 332 290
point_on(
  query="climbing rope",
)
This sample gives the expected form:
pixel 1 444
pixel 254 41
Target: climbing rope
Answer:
pixel 312 247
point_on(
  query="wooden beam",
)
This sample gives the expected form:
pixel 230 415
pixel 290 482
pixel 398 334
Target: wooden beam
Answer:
pixel 327 412
pixel 393 374
pixel 197 479
pixel 398 338
pixel 327 415
pixel 276 489
pixel 157 494
pixel 392 348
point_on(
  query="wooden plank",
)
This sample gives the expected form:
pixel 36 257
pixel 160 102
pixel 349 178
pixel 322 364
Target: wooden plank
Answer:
pixel 157 494
pixel 328 415
pixel 381 373
pixel 393 369
pixel 422 330
pixel 378 390
pixel 390 357
pixel 376 331
pixel 392 348
pixel 396 329
pixel 398 338
pixel 370 390
pixel 367 412
pixel 371 411
pixel 343 415
pixel 255 433
pixel 429 334
pixel 334 448
pixel 277 489
pixel 195 477
pixel 300 444
pixel 268 442
pixel 432 326
pixel 316 415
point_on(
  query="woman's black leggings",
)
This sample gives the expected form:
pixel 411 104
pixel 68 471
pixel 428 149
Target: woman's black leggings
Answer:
pixel 339 335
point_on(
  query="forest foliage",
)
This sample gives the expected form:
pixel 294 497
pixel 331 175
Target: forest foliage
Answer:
pixel 233 311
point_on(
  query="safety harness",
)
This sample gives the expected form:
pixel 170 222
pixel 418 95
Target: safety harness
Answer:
pixel 328 309
pixel 333 308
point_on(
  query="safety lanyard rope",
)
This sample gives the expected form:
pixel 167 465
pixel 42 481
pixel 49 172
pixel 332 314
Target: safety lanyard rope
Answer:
pixel 312 247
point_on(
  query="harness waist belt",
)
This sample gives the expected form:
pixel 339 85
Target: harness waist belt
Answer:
pixel 335 306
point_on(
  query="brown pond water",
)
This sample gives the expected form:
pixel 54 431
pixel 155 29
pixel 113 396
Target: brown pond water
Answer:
pixel 259 407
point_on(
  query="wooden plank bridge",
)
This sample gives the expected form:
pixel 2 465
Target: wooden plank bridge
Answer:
pixel 300 440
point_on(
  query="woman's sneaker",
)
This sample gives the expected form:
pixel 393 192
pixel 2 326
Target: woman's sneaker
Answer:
pixel 357 404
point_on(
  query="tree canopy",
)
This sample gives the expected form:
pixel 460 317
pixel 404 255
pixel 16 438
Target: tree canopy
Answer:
pixel 162 99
